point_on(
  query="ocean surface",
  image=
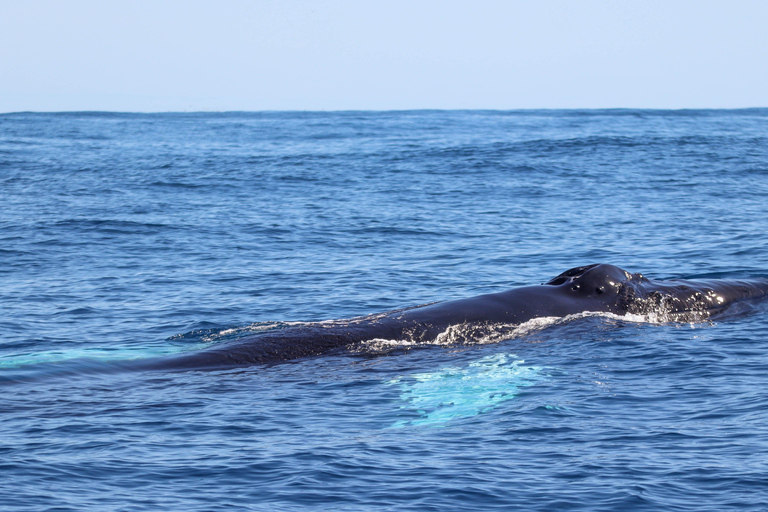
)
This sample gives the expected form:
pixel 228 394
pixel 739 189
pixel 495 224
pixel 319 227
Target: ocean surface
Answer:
pixel 132 236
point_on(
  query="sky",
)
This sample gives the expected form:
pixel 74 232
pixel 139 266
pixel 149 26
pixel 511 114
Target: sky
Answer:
pixel 174 55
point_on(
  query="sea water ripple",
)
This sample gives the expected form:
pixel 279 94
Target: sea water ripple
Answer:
pixel 127 236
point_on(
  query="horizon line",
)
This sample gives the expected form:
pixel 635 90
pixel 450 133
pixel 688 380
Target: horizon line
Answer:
pixel 403 110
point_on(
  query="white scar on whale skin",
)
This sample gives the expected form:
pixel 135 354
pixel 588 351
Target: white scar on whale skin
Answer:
pixel 453 392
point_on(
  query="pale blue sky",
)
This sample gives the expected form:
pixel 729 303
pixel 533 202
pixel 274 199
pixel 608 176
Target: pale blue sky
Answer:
pixel 174 55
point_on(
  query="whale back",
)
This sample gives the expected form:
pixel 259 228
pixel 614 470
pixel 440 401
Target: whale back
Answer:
pixel 600 288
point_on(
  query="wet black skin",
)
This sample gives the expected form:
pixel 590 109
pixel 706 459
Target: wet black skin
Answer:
pixel 592 288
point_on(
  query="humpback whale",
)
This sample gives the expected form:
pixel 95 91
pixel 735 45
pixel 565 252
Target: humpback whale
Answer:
pixel 599 288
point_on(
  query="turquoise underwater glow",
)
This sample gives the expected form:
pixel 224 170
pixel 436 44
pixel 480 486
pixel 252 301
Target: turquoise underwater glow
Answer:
pixel 455 392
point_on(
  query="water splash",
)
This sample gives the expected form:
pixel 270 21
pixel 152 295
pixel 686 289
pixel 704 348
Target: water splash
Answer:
pixel 455 392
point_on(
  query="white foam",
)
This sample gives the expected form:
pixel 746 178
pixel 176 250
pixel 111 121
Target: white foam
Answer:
pixel 490 333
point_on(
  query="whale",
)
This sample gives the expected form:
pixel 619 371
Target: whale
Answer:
pixel 595 288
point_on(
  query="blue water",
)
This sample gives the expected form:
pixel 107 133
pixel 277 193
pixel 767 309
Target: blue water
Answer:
pixel 128 236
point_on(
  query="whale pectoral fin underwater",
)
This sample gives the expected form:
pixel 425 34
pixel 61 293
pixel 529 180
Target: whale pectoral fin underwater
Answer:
pixel 598 288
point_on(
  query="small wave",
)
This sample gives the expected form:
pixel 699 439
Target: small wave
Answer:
pixel 176 184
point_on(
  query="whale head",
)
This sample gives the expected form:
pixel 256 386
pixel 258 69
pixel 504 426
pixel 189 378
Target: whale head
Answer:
pixel 615 290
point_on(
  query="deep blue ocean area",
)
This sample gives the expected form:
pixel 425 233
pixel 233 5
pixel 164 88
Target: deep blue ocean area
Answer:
pixel 133 236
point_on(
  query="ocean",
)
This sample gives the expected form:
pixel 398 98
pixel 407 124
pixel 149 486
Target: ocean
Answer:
pixel 127 237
